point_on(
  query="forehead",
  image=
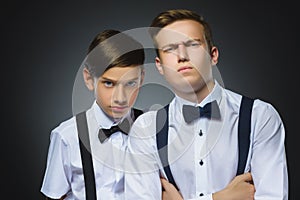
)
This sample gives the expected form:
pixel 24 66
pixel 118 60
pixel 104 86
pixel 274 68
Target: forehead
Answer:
pixel 179 31
pixel 118 73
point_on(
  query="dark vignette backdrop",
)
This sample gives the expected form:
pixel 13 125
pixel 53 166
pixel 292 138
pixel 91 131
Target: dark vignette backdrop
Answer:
pixel 44 43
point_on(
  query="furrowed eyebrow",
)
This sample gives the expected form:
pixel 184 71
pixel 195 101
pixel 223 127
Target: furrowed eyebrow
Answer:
pixel 107 79
pixel 116 81
pixel 193 40
pixel 186 42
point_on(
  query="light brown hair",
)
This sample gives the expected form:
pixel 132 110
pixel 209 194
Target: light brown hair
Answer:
pixel 170 16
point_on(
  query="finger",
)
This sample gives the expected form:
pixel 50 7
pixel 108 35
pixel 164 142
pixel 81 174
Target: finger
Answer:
pixel 164 183
pixel 247 177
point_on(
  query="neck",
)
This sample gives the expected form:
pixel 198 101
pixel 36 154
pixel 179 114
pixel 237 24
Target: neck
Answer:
pixel 198 94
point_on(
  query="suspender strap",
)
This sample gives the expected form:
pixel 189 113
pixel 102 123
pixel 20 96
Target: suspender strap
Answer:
pixel 86 156
pixel 162 126
pixel 244 129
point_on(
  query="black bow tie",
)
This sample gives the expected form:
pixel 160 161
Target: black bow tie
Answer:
pixel 210 110
pixel 123 127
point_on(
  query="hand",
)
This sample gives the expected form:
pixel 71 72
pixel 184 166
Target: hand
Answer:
pixel 240 188
pixel 170 192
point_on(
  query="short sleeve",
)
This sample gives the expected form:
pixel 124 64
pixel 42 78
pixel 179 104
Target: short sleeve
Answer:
pixel 57 176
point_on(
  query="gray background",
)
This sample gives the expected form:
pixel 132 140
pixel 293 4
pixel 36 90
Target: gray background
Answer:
pixel 44 43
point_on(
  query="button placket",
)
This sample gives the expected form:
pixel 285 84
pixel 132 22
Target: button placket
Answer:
pixel 201 168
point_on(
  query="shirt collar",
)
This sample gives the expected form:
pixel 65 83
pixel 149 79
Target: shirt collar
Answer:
pixel 214 95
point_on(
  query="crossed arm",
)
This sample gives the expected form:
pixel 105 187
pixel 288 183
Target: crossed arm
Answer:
pixel 240 188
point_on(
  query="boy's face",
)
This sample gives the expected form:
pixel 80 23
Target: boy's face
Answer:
pixel 184 58
pixel 117 89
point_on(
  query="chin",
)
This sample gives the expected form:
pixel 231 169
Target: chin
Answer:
pixel 118 115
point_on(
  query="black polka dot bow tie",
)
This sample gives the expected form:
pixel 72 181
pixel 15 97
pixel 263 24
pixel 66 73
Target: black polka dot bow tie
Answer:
pixel 210 110
pixel 123 127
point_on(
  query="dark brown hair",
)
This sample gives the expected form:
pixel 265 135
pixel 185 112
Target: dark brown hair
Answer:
pixel 112 48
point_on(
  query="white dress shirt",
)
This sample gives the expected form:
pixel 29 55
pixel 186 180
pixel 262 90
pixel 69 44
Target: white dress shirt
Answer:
pixel 64 173
pixel 203 155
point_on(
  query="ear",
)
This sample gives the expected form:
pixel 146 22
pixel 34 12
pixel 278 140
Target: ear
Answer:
pixel 159 66
pixel 214 55
pixel 88 79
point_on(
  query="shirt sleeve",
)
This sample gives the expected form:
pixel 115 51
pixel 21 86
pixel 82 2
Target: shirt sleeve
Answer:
pixel 56 179
pixel 268 160
pixel 206 197
pixel 142 177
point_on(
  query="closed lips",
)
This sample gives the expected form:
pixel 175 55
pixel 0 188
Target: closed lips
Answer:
pixel 184 68
pixel 119 107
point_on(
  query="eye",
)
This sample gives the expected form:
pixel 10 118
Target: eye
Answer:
pixel 108 83
pixel 193 44
pixel 131 83
pixel 169 48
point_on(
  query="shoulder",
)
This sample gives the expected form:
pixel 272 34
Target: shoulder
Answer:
pixel 266 124
pixel 261 109
pixel 144 123
pixel 65 131
pixel 266 111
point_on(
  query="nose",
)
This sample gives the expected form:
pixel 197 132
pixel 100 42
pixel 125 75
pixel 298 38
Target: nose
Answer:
pixel 120 96
pixel 182 53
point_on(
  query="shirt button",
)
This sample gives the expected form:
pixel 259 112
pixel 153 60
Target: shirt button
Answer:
pixel 201 162
pixel 200 133
pixel 201 194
